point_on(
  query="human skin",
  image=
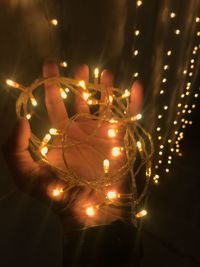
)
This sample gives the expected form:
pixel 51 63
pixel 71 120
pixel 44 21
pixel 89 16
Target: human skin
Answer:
pixel 37 178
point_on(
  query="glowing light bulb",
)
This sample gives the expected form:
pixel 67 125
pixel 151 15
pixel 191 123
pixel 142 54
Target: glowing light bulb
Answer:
pixel 148 172
pixel 141 214
pixel 33 101
pixel 112 195
pixel 159 116
pixel 54 22
pixel 167 170
pixel 46 139
pixel 126 93
pixel 12 83
pixel 116 151
pixel 28 116
pixel 139 146
pixel 158 129
pixel 137 117
pixel 86 95
pixel 106 165
pixel 63 93
pixel 139 3
pixel 136 74
pixel 57 192
pixel 112 133
pixel 110 98
pixel 44 150
pixel 137 32
pixel 53 131
pixel 63 64
pixel 82 84
pixel 136 52
pixel 90 211
pixel 185 72
pixel 197 19
pixel 177 31
pixel 166 67
pixel 172 15
pixel 162 92
pixel 164 80
pixel 169 141
pixel 165 107
pixel 96 73
pixel 169 52
pixel 66 90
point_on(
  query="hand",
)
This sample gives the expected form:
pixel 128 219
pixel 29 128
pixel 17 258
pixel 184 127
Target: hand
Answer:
pixel 37 179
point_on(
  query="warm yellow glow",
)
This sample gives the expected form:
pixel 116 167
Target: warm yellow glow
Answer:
pixel 197 19
pixel 137 117
pixel 53 131
pixel 46 139
pixel 66 90
pixel 136 52
pixel 28 116
pixel 148 172
pixel 63 93
pixel 166 67
pixel 54 22
pixel 90 211
pixel 185 72
pixel 57 192
pixel 159 137
pixel 106 165
pixel 126 93
pixel 158 129
pixel 177 31
pixel 169 140
pixel 44 150
pixel 63 64
pixel 112 195
pixel 175 122
pixel 12 83
pixel 116 151
pixel 86 95
pixel 160 153
pixel 33 101
pixel 164 80
pixel 113 121
pixel 139 146
pixel 196 95
pixel 96 73
pixel 112 133
pixel 110 98
pixel 167 170
pixel 139 3
pixel 82 84
pixel 169 52
pixel 141 214
pixel 137 32
pixel 159 116
pixel 165 107
pixel 198 33
pixel 172 15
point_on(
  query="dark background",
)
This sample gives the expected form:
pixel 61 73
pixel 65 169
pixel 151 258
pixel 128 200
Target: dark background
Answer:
pixel 96 33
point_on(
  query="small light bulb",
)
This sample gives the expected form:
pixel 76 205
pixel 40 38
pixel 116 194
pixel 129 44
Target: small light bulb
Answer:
pixel 172 15
pixel 63 93
pixel 96 73
pixel 63 64
pixel 86 95
pixel 112 195
pixel 44 150
pixel 136 52
pixel 33 101
pixel 12 83
pixel 139 3
pixel 169 52
pixel 177 31
pixel 106 165
pixel 28 116
pixel 112 133
pixel 54 22
pixel 137 32
pixel 136 74
pixel 53 131
pixel 90 211
pixel 139 146
pixel 141 214
pixel 126 93
pixel 57 192
pixel 82 84
pixel 116 151
pixel 165 107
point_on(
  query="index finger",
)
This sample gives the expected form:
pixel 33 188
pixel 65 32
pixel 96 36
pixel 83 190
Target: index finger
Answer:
pixel 53 100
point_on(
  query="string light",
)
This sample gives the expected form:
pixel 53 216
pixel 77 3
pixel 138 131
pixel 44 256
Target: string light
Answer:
pixel 130 145
pixel 54 22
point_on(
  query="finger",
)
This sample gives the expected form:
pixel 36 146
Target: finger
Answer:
pixel 16 150
pixel 81 73
pixel 136 98
pixel 107 80
pixel 53 100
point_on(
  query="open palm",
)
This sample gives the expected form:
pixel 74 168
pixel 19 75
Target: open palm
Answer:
pixel 85 159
